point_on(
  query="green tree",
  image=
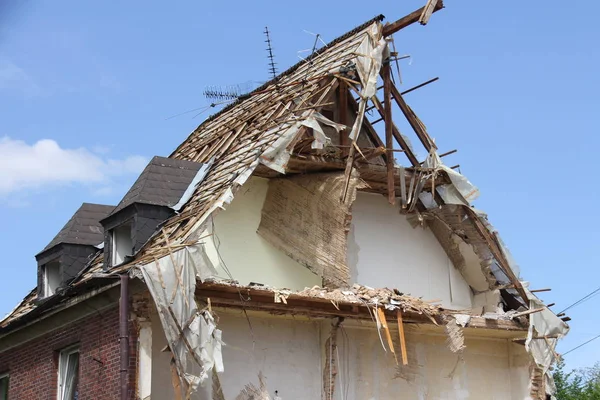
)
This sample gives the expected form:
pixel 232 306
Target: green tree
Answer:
pixel 581 384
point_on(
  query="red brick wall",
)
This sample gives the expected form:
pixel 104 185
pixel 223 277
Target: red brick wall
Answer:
pixel 33 366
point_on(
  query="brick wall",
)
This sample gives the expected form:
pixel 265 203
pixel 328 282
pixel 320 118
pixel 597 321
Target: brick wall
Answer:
pixel 33 366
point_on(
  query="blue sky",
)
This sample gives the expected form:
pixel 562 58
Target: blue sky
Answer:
pixel 86 87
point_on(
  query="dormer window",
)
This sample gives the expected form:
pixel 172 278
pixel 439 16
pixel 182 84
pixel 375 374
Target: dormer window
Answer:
pixel 71 249
pixel 122 243
pixel 52 278
pixel 162 187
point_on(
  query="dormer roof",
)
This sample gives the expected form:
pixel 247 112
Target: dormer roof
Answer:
pixel 84 227
pixel 162 183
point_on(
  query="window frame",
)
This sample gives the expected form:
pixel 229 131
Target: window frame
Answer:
pixel 54 264
pixel 115 234
pixel 63 357
pixel 5 375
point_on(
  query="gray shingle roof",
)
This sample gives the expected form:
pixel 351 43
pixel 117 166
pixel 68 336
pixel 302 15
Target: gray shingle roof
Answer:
pixel 84 226
pixel 162 183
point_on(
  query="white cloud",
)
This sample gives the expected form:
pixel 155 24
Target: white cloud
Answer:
pixel 45 164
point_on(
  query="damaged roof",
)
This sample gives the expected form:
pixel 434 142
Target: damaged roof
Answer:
pixel 234 137
pixel 234 140
pixel 84 226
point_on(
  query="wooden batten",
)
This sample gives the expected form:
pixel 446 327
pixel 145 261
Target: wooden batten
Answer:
pixel 389 141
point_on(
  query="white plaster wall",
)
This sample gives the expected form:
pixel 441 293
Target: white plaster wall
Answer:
pixel 144 372
pixel 249 257
pixel 384 250
pixel 520 361
pixel 290 354
pixel 162 387
pixel 287 352
pixel 433 372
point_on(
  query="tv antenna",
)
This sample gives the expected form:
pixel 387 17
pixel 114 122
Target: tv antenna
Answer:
pixel 230 92
pixel 272 63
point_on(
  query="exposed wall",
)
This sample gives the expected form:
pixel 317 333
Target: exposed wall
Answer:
pixel 33 365
pixel 249 257
pixel 162 387
pixel 290 354
pixel 384 250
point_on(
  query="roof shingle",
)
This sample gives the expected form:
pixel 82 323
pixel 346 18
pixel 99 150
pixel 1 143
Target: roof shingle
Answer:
pixel 162 183
pixel 83 227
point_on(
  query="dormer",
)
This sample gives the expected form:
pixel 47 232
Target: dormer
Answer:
pixel 152 199
pixel 69 252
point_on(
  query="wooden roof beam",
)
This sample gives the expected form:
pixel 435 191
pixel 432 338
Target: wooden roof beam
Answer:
pixel 396 133
pixel 409 19
pixel 389 141
pixel 413 120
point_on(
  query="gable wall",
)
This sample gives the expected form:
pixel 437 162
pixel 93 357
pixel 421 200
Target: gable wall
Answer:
pixel 384 250
pixel 248 257
pixel 290 354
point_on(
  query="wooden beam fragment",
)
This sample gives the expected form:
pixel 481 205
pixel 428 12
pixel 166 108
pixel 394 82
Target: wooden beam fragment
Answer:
pixel 371 133
pixel 540 290
pixel 413 120
pixel 530 311
pixel 343 113
pixel 389 141
pixel 420 85
pixel 408 20
pixel 397 135
pixel 427 11
pixel 388 336
pixel 402 338
pixel 496 251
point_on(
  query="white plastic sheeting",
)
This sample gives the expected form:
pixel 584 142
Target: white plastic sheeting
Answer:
pixel 277 155
pixel 368 64
pixel 192 335
pixel 314 122
pixel 545 329
pixel 461 191
pixel 187 195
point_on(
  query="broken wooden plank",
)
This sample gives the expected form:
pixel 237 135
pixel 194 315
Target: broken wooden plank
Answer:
pixel 402 338
pixel 530 311
pixel 408 19
pixel 540 290
pixel 389 141
pixel 420 85
pixel 397 135
pixel 427 11
pixel 343 113
pixel 413 120
pixel 388 336
pixel 496 251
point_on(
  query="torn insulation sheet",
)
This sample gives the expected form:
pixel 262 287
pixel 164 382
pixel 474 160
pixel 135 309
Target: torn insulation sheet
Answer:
pixel 460 191
pixel 192 335
pixel 456 339
pixel 303 217
pixel 545 330
pixel 252 392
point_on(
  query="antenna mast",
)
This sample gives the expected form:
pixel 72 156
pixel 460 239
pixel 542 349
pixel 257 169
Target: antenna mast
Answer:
pixel 272 63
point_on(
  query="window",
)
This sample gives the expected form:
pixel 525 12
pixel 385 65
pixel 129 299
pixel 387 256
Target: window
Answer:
pixel 122 244
pixel 51 278
pixel 68 374
pixel 3 386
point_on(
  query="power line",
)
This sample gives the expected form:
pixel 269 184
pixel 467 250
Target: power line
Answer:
pixel 581 345
pixel 583 299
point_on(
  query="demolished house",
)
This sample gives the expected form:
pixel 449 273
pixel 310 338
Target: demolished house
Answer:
pixel 286 250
